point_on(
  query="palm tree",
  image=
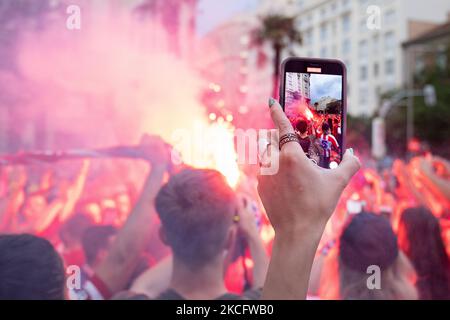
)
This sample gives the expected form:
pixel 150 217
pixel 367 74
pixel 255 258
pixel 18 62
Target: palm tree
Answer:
pixel 280 32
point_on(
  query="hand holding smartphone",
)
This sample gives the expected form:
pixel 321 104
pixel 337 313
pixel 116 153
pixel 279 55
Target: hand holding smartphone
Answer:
pixel 313 96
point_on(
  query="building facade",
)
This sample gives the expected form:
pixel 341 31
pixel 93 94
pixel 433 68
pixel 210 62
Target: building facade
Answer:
pixel 427 51
pixel 239 77
pixel 366 35
pixel 297 87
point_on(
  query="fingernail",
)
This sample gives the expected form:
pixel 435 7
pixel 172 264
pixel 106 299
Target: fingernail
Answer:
pixel 351 150
pixel 271 102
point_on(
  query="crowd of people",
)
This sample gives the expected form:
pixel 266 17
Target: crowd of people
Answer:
pixel 189 235
pixel 319 143
pixel 320 136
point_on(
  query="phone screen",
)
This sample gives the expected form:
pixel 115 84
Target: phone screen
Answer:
pixel 313 102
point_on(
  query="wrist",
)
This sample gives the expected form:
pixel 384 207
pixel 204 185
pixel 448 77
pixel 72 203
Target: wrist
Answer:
pixel 293 235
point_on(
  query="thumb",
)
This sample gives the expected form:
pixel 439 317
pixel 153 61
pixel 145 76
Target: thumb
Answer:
pixel 349 165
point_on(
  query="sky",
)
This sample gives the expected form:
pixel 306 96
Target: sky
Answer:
pixel 323 85
pixel 214 12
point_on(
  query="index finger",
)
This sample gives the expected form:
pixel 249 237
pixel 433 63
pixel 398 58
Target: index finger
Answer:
pixel 284 126
pixel 279 118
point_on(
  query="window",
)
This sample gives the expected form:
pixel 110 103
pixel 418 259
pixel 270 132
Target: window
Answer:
pixel 363 26
pixel 363 3
pixel 333 7
pixel 389 67
pixel 363 95
pixel 334 50
pixel 346 23
pixel 333 28
pixel 389 42
pixel 363 49
pixel 346 46
pixel 419 65
pixel 309 37
pixel 376 69
pixel 323 31
pixel 441 60
pixel 363 73
pixel 323 52
pixel 345 3
pixel 389 17
pixel 376 43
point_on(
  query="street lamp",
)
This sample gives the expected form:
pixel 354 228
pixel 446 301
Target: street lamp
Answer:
pixel 429 94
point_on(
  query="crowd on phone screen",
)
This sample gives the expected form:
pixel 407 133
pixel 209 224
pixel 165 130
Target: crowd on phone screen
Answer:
pixel 191 236
pixel 320 140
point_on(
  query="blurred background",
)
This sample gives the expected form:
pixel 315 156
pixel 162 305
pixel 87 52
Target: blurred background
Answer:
pixel 226 54
pixel 78 77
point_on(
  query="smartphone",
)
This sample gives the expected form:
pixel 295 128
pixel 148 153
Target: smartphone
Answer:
pixel 313 96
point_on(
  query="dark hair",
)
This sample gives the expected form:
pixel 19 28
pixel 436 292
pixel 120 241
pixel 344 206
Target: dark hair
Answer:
pixel 366 241
pixel 424 246
pixel 301 126
pixel 196 208
pixel 30 269
pixel 325 127
pixel 94 239
pixel 74 227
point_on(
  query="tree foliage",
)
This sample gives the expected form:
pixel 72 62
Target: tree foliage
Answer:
pixel 431 124
pixel 280 32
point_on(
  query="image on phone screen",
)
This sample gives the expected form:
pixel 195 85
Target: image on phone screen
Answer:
pixel 313 104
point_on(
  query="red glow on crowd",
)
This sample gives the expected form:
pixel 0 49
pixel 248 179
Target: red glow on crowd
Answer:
pixel 96 110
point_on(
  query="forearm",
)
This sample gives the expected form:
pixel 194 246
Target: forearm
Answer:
pixel 291 263
pixel 260 260
pixel 48 216
pixel 75 191
pixel 132 236
pixel 131 240
pixel 11 209
pixel 316 272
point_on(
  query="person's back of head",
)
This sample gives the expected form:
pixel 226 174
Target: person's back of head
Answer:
pixel 96 241
pixel 30 269
pixel 325 128
pixel 72 230
pixel 368 247
pixel 301 126
pixel 196 208
pixel 420 238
